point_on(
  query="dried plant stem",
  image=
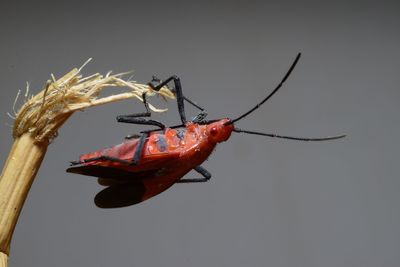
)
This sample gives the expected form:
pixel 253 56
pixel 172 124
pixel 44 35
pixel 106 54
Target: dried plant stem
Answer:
pixel 37 123
pixel 18 174
pixel 3 259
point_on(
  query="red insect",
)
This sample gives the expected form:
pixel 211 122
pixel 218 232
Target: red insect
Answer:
pixel 146 165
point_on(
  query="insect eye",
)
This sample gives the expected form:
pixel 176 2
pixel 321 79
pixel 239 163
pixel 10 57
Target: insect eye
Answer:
pixel 213 131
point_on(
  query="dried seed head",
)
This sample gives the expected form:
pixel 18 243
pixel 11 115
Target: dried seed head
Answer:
pixel 42 114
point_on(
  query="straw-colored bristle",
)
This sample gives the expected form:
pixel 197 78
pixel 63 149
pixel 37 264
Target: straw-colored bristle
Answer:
pixel 44 113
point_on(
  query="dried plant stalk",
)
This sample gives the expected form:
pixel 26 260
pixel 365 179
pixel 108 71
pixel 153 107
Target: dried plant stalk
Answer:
pixel 37 123
pixel 3 259
pixel 18 174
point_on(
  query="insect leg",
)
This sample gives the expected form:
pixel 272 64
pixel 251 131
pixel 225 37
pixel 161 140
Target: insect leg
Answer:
pixel 139 148
pixel 146 105
pixel 141 114
pixel 134 161
pixel 133 120
pixel 177 84
pixel 202 171
pixel 100 158
pixel 180 98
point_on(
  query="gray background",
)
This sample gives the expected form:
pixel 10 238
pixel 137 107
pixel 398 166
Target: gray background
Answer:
pixel 270 202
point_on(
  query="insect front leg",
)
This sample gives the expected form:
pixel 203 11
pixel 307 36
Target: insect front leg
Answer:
pixel 202 171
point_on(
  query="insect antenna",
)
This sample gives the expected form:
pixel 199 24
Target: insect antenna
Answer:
pixel 271 94
pixel 237 130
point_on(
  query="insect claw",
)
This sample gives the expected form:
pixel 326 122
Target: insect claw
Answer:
pixel 155 79
pixel 159 82
pixel 200 117
pixel 132 136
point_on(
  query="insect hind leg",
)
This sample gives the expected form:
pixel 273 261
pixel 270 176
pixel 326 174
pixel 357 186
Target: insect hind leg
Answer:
pixel 100 158
pixel 206 176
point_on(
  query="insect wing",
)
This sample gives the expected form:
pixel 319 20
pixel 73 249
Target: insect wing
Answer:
pixel 145 185
pixel 126 194
pixel 131 186
pixel 120 195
